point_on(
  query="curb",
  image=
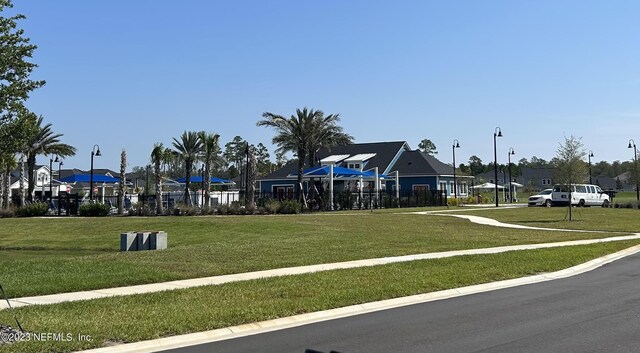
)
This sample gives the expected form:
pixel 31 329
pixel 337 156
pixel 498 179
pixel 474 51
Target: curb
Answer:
pixel 359 309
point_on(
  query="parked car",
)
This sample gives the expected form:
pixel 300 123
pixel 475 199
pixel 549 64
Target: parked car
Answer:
pixel 583 195
pixel 543 198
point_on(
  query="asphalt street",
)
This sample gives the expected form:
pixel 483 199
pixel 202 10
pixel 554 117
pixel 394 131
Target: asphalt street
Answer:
pixel 598 311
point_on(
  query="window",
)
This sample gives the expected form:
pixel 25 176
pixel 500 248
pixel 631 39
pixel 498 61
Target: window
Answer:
pixel 464 188
pixel 354 166
pixel 443 186
pixel 581 188
pixel 420 187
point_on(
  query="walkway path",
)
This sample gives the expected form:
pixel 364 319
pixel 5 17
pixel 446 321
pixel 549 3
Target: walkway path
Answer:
pixel 216 280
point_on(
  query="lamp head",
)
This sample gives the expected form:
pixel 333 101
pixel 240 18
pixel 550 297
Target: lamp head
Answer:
pixel 497 132
pixel 590 154
pixel 98 154
pixel 631 144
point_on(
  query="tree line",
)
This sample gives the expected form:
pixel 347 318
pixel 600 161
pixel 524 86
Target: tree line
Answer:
pixel 476 166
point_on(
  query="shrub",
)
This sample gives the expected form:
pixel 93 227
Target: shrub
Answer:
pixel 223 209
pixel 272 206
pixel 184 210
pixel 94 209
pixel 289 207
pixel 140 209
pixel 37 209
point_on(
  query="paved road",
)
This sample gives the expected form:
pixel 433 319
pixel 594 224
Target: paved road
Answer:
pixel 597 311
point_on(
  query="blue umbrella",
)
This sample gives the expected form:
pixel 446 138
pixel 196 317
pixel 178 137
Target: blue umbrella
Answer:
pixel 337 172
pixel 86 178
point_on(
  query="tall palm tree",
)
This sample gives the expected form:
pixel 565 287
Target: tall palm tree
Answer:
pixel 188 148
pixel 157 157
pixel 42 141
pixel 325 133
pixel 210 150
pixel 303 134
pixel 123 181
pixel 293 135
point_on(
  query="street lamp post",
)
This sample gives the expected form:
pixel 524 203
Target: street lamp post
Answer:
pixel 590 155
pixel 635 160
pixel 95 151
pixel 59 177
pixel 456 144
pixel 496 133
pixel 246 174
pixel 511 152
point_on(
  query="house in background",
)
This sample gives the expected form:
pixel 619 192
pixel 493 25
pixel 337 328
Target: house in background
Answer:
pixel 536 179
pixel 417 171
pixel 41 177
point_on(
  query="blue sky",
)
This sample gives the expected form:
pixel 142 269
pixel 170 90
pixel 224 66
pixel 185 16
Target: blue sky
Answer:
pixel 127 74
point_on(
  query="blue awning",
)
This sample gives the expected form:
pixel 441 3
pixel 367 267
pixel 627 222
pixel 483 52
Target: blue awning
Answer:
pixel 337 172
pixel 86 178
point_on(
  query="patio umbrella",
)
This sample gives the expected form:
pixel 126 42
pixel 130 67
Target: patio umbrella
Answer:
pixel 86 178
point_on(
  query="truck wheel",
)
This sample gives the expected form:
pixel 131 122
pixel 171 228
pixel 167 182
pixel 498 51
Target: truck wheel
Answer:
pixel 605 203
pixel 547 203
pixel 581 203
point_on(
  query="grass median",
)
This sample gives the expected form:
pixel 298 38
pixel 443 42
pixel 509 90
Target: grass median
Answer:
pixel 45 256
pixel 149 316
pixel 584 218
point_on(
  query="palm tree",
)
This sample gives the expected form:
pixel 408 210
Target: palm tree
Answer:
pixel 303 134
pixel 293 135
pixel 210 150
pixel 123 181
pixel 188 148
pixel 157 157
pixel 42 141
pixel 326 134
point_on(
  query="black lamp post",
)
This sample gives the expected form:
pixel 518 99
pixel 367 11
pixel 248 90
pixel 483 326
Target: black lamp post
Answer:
pixel 246 174
pixel 95 151
pixel 590 155
pixel 496 133
pixel 51 176
pixel 456 144
pixel 59 177
pixel 511 152
pixel 635 160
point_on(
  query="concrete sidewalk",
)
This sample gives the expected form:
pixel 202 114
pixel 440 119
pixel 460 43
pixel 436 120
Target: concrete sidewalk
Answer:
pixel 216 280
pixel 182 341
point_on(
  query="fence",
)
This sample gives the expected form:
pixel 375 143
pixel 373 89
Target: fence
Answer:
pixel 67 205
pixel 347 200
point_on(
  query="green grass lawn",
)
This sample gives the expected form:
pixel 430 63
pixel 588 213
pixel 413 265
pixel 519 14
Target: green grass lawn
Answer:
pixel 149 316
pixel 588 218
pixel 53 255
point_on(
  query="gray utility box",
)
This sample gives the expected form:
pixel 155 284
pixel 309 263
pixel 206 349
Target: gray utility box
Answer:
pixel 136 241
